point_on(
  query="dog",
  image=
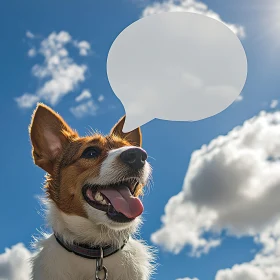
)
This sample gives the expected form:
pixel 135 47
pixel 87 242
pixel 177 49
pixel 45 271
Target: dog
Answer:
pixel 93 185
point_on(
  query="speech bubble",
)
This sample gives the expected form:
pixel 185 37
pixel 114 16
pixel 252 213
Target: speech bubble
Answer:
pixel 176 66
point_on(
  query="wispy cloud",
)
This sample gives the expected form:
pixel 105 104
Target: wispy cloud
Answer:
pixel 29 34
pixel 274 104
pixel 239 98
pixel 59 73
pixel 14 263
pixel 27 100
pixel 84 95
pixel 32 52
pixel 88 108
pixel 100 98
pixel 187 278
pixel 190 6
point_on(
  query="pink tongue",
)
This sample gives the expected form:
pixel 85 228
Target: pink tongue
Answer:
pixel 123 201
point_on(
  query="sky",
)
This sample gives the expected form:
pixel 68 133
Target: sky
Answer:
pixel 213 209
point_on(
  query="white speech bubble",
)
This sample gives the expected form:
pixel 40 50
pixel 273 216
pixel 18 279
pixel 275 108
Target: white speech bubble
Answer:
pixel 176 66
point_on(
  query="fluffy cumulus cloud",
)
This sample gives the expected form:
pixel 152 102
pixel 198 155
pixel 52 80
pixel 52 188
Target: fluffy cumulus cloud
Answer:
pixel 193 6
pixel 265 265
pixel 232 185
pixel 15 264
pixel 59 74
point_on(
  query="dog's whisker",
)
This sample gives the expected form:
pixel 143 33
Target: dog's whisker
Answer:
pixel 151 157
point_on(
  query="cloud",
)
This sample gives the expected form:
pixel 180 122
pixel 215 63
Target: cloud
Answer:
pixel 265 265
pixel 29 34
pixel 58 74
pixel 101 98
pixel 27 100
pixel 190 6
pixel 232 184
pixel 239 98
pixel 187 278
pixel 273 104
pixel 32 52
pixel 84 109
pixel 83 46
pixel 14 263
pixel 84 95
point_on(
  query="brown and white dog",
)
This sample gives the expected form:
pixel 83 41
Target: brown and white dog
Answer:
pixel 93 186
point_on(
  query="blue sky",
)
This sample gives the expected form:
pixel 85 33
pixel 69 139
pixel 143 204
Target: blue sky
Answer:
pixel 242 230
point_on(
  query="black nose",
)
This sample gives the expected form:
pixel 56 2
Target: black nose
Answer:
pixel 134 157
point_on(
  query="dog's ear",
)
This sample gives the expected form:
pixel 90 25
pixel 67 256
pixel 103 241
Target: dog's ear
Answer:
pixel 134 137
pixel 49 134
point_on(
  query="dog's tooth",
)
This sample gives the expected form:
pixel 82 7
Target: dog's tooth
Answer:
pixel 98 196
pixel 103 202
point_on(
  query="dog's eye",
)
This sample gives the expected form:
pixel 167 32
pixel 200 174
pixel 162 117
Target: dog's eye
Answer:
pixel 91 152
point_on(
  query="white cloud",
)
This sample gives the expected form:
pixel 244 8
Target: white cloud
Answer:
pixel 265 265
pixel 14 263
pixel 84 109
pixel 29 34
pixel 101 98
pixel 232 184
pixel 27 100
pixel 187 278
pixel 83 46
pixel 59 73
pixel 84 95
pixel 32 52
pixel 274 104
pixel 193 6
pixel 239 98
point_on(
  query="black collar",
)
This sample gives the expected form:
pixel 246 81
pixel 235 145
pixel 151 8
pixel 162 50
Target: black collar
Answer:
pixel 86 251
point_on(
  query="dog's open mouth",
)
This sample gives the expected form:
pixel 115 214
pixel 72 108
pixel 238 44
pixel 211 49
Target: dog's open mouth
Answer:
pixel 117 200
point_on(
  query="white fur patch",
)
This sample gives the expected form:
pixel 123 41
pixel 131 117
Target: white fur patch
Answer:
pixel 134 261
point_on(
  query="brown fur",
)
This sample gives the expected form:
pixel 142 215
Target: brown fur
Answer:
pixel 57 149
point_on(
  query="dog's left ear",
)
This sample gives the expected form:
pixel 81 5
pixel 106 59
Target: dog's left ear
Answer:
pixel 134 137
pixel 49 135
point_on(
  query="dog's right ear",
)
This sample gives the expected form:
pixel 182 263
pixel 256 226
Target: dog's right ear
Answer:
pixel 49 134
pixel 134 136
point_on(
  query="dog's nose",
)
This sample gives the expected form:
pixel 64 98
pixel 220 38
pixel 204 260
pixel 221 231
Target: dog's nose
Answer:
pixel 134 157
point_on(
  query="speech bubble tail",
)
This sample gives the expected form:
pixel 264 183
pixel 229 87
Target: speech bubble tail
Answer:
pixel 132 122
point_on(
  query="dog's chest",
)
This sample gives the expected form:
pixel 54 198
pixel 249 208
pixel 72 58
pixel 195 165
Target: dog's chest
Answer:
pixel 54 262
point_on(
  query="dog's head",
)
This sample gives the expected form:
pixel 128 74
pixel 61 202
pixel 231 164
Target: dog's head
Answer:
pixel 96 177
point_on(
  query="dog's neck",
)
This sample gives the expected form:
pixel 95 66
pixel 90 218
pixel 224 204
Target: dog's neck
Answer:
pixel 76 229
